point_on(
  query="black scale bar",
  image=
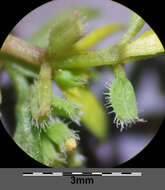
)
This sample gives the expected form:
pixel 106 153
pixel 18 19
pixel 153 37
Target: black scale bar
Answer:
pixel 67 173
pixel 27 173
pixel 47 172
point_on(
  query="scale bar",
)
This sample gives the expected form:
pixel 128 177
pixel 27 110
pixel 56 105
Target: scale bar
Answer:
pixel 122 174
pixel 44 174
pixel 59 174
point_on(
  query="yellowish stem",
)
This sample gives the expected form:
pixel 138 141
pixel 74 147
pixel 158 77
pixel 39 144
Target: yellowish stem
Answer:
pixel 22 49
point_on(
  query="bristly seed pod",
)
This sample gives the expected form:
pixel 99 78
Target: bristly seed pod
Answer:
pixel 123 100
pixel 66 108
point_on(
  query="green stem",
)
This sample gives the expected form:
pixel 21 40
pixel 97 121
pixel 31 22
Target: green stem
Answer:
pixel 44 86
pixel 143 47
pixel 119 71
pixel 108 56
pixel 147 45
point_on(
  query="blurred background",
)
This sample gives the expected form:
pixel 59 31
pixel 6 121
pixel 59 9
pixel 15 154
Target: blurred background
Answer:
pixel 146 76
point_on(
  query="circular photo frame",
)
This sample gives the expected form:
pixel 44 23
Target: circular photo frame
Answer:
pixel 81 84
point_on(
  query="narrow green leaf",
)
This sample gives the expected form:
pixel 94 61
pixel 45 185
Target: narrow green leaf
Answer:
pixel 96 36
pixel 26 71
pixel 25 136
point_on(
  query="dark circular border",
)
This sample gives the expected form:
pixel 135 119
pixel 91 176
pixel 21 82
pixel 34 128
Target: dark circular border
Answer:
pixel 12 156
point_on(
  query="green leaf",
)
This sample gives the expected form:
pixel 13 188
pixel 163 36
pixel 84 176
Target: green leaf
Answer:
pixel 27 137
pixel 24 70
pixel 51 156
pixel 96 36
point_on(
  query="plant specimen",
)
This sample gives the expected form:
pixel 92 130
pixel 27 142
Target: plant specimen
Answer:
pixel 59 52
